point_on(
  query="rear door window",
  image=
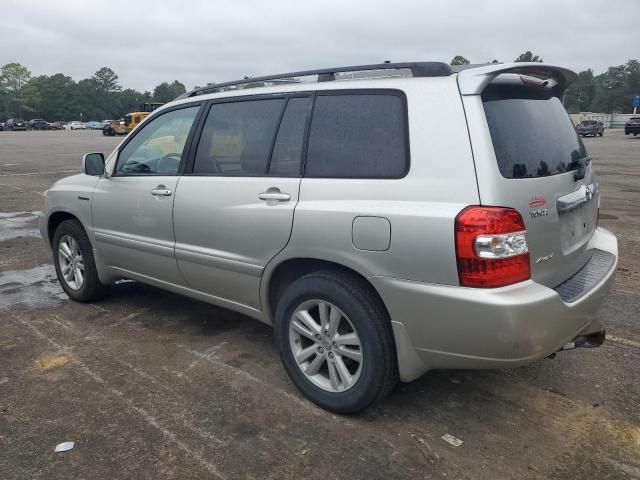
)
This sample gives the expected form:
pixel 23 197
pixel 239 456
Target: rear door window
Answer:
pixel 358 136
pixel 287 151
pixel 237 138
pixel 531 131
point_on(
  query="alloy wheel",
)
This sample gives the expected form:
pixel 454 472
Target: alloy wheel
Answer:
pixel 326 346
pixel 71 262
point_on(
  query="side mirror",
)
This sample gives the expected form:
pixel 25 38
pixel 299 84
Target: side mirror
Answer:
pixel 93 164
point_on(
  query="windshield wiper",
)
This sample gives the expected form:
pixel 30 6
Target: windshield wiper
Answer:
pixel 580 167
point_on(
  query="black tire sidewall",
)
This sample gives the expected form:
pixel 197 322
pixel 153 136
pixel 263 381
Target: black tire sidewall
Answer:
pixel 91 288
pixel 376 352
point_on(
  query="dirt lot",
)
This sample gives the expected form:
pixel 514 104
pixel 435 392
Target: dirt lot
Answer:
pixel 152 385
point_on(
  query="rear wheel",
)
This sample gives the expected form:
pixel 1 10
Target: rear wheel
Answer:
pixel 336 342
pixel 74 262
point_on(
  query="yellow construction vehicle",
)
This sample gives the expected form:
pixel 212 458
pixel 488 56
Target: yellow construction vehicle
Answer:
pixel 130 120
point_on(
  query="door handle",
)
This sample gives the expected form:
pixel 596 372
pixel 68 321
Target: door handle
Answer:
pixel 274 195
pixel 161 191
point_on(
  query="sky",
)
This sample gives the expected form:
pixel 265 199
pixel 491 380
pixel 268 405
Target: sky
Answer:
pixel 147 42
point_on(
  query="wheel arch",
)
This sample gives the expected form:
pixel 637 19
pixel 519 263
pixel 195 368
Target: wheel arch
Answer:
pixel 279 276
pixel 56 218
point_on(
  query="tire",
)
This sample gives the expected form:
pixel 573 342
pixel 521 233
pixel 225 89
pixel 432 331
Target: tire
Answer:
pixel 90 288
pixel 361 313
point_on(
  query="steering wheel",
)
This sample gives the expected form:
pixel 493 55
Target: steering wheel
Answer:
pixel 135 167
pixel 169 164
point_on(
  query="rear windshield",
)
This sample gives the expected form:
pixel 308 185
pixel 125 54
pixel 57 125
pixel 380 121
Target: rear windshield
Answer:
pixel 531 131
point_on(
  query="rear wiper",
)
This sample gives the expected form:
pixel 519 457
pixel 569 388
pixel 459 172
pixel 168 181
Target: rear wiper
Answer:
pixel 580 166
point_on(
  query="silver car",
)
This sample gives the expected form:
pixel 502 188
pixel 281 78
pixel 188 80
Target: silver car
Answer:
pixel 386 220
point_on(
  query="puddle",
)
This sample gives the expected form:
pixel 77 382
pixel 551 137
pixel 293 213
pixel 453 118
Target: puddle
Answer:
pixel 35 287
pixel 18 224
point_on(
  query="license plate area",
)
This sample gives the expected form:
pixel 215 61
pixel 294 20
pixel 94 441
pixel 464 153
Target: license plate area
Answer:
pixel 576 226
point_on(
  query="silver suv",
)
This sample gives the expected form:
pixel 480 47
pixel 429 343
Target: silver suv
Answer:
pixel 385 219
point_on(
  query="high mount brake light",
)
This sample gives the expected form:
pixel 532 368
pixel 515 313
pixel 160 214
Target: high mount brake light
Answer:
pixel 491 247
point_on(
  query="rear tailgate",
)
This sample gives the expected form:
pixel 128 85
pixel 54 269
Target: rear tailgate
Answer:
pixel 529 157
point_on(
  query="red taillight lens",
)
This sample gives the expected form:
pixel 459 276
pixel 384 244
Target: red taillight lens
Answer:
pixel 491 247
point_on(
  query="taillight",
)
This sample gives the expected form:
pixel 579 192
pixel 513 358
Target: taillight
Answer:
pixel 491 247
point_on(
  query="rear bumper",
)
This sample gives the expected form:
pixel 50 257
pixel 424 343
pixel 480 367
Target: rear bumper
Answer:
pixel 439 326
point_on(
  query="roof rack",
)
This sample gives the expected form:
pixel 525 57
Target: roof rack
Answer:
pixel 418 69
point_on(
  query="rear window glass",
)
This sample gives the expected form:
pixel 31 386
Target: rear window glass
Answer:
pixel 358 136
pixel 531 131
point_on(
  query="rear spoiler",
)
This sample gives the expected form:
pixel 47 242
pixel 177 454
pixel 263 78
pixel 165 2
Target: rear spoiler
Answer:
pixel 474 79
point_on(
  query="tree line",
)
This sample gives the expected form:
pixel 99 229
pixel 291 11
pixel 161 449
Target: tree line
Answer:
pixel 608 92
pixel 59 97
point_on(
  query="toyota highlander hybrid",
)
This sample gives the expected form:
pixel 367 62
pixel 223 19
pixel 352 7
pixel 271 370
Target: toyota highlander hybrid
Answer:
pixel 386 219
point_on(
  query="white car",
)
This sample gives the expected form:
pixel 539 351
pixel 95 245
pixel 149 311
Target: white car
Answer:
pixel 75 125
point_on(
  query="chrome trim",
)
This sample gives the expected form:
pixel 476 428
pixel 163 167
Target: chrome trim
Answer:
pixel 576 198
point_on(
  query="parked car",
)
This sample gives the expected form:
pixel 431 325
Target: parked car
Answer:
pixel 590 127
pixel 74 125
pixel 448 220
pixel 94 126
pixel 15 124
pixel 632 126
pixel 1 126
pixel 59 125
pixel 38 124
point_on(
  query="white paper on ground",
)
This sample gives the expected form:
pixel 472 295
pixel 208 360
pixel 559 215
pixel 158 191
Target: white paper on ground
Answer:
pixel 64 446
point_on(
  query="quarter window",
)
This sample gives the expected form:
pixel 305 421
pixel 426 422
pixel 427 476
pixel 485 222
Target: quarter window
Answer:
pixel 237 138
pixel 157 149
pixel 358 136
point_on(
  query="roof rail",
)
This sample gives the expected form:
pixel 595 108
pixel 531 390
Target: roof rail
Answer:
pixel 418 69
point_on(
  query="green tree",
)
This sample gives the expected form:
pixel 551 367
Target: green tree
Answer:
pixel 56 96
pixel 459 60
pixel 614 88
pixel 579 95
pixel 129 100
pixel 528 57
pixel 165 92
pixel 106 80
pixel 13 80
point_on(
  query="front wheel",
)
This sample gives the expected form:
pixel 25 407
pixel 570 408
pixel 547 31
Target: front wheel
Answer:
pixel 336 342
pixel 74 262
